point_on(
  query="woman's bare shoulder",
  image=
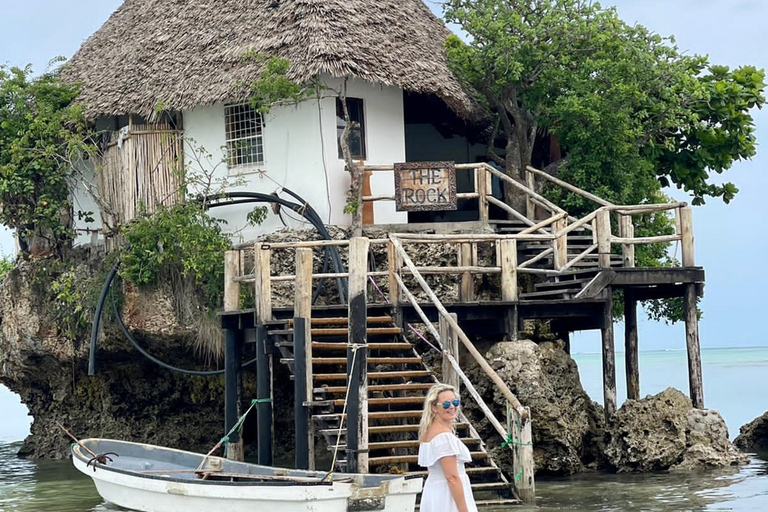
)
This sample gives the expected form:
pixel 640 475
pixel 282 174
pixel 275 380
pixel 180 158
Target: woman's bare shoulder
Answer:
pixel 434 432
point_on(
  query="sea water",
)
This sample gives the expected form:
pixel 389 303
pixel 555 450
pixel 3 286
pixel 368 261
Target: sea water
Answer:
pixel 735 380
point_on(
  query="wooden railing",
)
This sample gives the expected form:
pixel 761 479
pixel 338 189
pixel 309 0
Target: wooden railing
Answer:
pixel 558 223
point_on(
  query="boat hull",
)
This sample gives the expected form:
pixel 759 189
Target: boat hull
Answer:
pixel 149 478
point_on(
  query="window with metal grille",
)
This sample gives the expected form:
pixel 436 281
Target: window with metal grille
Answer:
pixel 244 131
pixel 356 135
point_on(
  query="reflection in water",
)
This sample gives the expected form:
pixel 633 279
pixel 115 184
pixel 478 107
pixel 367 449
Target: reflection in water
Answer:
pixel 42 486
pixel 36 486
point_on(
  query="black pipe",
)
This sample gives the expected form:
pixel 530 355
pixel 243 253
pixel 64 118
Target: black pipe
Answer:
pixel 97 319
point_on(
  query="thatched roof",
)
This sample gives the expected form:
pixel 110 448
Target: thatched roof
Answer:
pixel 185 53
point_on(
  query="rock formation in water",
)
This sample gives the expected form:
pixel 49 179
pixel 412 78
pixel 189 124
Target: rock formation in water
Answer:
pixel 754 435
pixel 129 397
pixel 570 435
pixel 664 431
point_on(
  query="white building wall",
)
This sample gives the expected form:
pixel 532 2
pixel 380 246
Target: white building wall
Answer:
pixel 301 154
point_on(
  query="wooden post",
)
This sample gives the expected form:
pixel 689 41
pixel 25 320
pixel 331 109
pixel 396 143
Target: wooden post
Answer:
pixel 560 244
pixel 302 364
pixel 483 179
pixel 357 358
pixel 686 232
pixel 394 264
pixel 368 219
pixel 530 206
pixel 467 286
pixel 627 230
pixel 265 419
pixel 450 343
pixel 509 289
pixel 630 345
pixel 263 298
pixel 523 465
pixel 603 224
pixel 609 357
pixel 695 381
pixel 232 353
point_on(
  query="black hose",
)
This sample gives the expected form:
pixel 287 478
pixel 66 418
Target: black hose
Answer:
pixel 157 361
pixel 97 319
pixel 213 201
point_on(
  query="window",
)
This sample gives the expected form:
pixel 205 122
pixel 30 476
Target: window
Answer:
pixel 356 131
pixel 245 136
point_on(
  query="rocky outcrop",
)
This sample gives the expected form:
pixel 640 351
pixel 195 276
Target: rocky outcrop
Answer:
pixel 129 397
pixel 661 432
pixel 754 435
pixel 567 424
pixel 664 432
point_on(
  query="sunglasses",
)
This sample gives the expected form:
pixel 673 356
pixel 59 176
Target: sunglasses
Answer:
pixel 455 402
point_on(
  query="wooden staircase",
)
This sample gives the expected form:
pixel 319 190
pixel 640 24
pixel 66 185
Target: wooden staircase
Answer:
pixel 398 382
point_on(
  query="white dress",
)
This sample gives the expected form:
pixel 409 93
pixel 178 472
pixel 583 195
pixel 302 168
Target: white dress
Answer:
pixel 436 496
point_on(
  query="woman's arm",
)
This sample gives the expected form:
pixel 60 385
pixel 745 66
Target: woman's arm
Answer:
pixel 451 471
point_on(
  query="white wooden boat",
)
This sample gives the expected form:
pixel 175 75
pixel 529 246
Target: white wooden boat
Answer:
pixel 156 479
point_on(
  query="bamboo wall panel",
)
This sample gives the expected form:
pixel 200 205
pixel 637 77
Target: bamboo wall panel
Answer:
pixel 142 166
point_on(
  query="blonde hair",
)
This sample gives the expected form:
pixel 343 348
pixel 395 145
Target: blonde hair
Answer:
pixel 428 415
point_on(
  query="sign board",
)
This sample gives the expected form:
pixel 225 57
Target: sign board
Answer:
pixel 421 186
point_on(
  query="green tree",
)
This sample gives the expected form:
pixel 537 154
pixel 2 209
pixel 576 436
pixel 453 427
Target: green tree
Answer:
pixel 629 111
pixel 41 134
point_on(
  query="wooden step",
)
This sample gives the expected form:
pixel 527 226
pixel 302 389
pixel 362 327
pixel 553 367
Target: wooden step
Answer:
pixel 479 470
pixel 554 294
pixel 378 388
pixel 342 346
pixel 412 459
pixel 569 283
pixel 371 360
pixel 406 374
pixel 344 320
pixel 497 502
pixel 492 486
pixel 342 331
pixel 388 429
pixel 394 445
pixel 395 400
pixel 376 415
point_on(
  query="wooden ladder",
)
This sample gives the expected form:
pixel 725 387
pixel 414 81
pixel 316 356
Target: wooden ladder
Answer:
pixel 398 382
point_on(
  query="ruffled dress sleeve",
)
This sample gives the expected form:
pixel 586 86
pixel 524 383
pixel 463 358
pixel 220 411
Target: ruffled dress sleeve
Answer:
pixel 442 445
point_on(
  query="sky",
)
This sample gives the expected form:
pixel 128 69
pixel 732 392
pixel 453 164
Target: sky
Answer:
pixel 730 240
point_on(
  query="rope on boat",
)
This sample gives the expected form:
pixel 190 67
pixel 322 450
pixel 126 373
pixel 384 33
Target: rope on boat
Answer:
pixel 328 476
pixel 225 440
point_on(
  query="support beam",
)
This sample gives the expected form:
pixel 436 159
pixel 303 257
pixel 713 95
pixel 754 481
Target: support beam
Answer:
pixel 266 434
pixel 627 230
pixel 233 343
pixel 357 358
pixel 609 358
pixel 631 346
pixel 467 286
pixel 560 244
pixel 603 233
pixel 450 343
pixel 509 288
pixel 695 381
pixel 302 353
pixel 685 227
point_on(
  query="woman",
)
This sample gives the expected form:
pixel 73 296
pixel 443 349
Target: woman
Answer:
pixel 447 487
